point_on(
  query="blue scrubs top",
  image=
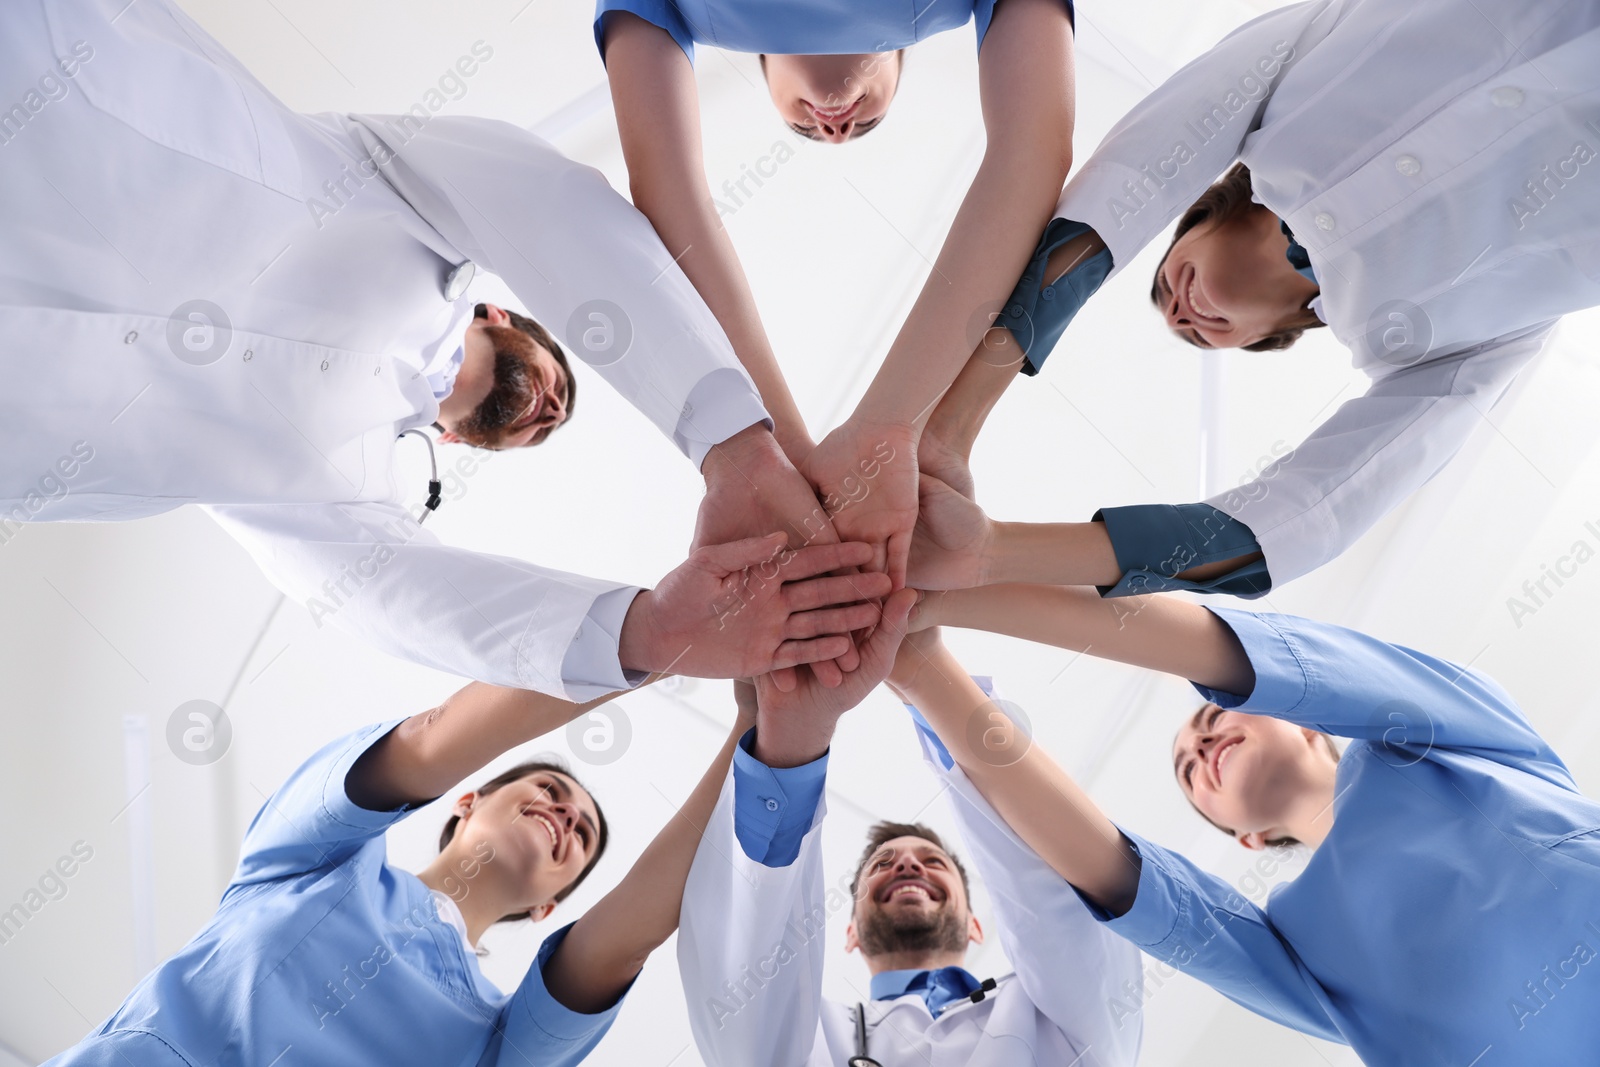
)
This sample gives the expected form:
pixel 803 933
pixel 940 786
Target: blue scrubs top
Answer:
pixel 1452 915
pixel 322 953
pixel 801 27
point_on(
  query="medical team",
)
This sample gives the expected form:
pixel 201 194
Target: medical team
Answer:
pixel 1338 163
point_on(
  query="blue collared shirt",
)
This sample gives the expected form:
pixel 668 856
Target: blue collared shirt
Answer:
pixel 1453 908
pixel 773 807
pixel 938 988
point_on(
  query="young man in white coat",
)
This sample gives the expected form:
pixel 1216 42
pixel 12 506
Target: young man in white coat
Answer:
pixel 208 298
pixel 754 922
pixel 1418 178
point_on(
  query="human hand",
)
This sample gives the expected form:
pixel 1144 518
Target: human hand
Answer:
pixel 750 607
pixel 866 474
pixel 795 727
pixel 954 540
pixel 751 488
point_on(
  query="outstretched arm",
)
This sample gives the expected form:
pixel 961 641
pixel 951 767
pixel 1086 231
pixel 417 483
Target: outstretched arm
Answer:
pixel 1025 79
pixel 1036 798
pixel 1159 632
pixel 430 752
pixel 605 950
pixel 658 119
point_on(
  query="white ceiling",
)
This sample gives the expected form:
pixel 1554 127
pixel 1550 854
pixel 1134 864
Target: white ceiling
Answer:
pixel 109 628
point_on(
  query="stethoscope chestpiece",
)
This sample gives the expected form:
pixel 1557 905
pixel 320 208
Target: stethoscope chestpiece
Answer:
pixel 456 282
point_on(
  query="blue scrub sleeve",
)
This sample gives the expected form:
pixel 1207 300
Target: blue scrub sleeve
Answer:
pixel 983 15
pixel 662 13
pixel 1155 542
pixel 773 808
pixel 1346 683
pixel 536 1030
pixel 310 822
pixel 1038 314
pixel 1194 921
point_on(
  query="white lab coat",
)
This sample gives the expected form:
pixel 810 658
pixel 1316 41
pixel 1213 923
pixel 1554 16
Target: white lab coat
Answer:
pixel 165 174
pixel 1398 140
pixel 750 951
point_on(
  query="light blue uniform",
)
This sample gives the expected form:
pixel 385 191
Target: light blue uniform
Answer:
pixel 321 953
pixel 1452 915
pixel 805 27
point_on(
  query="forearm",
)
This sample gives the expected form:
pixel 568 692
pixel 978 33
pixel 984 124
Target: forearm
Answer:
pixel 1035 797
pixel 609 945
pixel 1073 553
pixel 658 120
pixel 429 753
pixel 973 271
pixel 1025 80
pixel 1161 633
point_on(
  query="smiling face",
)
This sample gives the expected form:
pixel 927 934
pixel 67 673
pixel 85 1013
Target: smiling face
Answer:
pixel 511 391
pixel 1229 283
pixel 1248 773
pixel 833 98
pixel 910 899
pixel 542 831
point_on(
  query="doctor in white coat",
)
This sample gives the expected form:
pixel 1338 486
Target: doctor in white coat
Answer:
pixel 1422 179
pixel 756 908
pixel 208 298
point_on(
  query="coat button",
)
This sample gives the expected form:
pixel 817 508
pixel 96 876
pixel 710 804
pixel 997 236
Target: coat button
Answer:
pixel 324 364
pixel 1506 96
pixel 772 805
pixel 1323 220
pixel 249 354
pixel 132 336
pixel 1408 165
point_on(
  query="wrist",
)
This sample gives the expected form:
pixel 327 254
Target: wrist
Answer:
pixel 639 642
pixel 781 749
pixel 753 447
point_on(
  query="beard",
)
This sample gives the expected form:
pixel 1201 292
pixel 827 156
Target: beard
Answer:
pixel 881 933
pixel 515 389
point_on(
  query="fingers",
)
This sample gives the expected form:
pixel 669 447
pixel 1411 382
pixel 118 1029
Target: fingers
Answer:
pixel 794 653
pixel 827 673
pixel 806 624
pixel 813 560
pixel 839 589
pixel 898 554
pixel 783 678
pixel 886 639
pixel 737 555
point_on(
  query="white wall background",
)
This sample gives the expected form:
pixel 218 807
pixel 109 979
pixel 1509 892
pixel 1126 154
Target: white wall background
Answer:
pixel 108 629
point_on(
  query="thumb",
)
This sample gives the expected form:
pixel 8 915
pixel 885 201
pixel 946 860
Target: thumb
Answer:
pixel 735 556
pixel 891 628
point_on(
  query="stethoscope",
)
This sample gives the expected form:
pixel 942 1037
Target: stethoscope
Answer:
pixel 861 1059
pixel 455 283
pixel 435 487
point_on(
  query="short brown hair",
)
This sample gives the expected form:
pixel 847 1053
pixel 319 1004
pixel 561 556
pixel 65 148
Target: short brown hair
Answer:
pixel 1228 198
pixel 515 774
pixel 884 832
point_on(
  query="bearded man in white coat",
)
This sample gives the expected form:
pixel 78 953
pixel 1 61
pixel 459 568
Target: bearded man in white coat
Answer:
pixel 185 319
pixel 755 911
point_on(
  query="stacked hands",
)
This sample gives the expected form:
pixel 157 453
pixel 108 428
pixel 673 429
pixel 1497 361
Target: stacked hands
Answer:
pixel 799 575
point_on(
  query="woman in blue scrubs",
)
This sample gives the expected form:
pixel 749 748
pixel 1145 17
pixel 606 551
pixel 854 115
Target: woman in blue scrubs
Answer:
pixel 1450 913
pixel 832 67
pixel 321 952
